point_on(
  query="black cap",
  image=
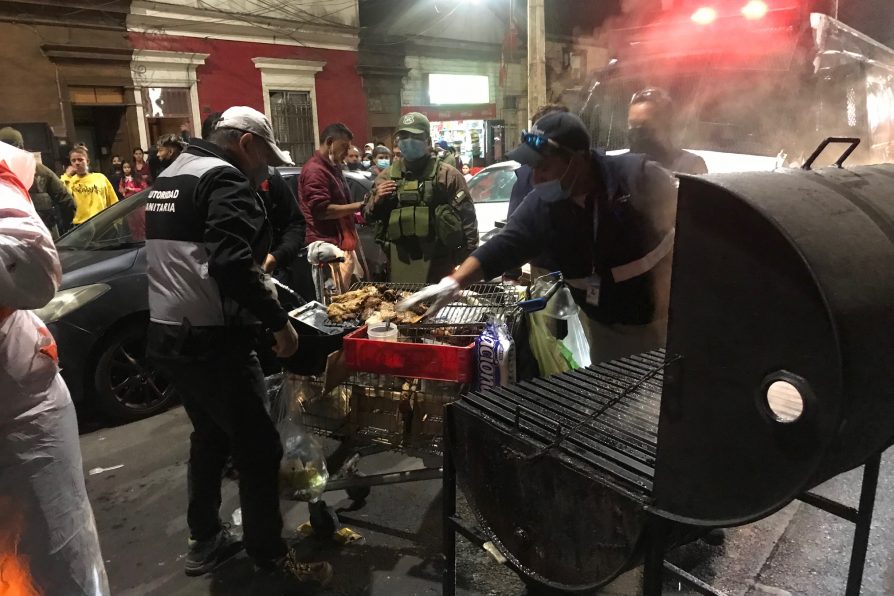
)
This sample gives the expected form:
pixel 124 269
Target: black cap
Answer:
pixel 565 129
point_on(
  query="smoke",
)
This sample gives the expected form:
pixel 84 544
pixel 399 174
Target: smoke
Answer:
pixel 757 91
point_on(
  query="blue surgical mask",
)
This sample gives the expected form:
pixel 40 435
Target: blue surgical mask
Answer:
pixel 383 163
pixel 551 191
pixel 413 149
pixel 365 163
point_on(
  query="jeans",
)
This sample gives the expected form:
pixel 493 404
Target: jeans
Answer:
pixel 224 398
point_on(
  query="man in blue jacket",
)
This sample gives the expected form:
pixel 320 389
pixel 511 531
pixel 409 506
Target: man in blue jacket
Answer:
pixel 606 222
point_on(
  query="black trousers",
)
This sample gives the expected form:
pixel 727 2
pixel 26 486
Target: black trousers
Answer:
pixel 224 398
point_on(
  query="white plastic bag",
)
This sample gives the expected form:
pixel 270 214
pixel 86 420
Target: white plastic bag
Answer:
pixel 577 344
pixel 302 470
pixel 562 306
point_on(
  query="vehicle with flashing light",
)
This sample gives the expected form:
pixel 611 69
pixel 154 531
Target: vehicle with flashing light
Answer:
pixel 757 84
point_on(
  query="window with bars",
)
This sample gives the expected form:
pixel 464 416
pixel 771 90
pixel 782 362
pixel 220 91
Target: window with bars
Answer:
pixel 166 102
pixel 293 123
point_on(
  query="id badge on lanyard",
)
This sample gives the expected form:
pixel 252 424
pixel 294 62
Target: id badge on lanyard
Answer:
pixel 594 282
pixel 593 286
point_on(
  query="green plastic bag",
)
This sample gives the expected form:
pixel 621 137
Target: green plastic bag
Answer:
pixel 551 354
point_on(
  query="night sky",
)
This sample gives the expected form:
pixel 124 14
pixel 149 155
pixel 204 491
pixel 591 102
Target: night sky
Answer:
pixel 875 18
pixel 486 21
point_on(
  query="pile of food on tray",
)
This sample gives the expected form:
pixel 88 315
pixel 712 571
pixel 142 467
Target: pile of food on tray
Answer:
pixel 371 304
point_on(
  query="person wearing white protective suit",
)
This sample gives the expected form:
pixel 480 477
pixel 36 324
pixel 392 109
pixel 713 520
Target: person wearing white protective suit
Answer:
pixel 48 541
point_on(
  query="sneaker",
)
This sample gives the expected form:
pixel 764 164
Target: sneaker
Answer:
pixel 318 574
pixel 205 555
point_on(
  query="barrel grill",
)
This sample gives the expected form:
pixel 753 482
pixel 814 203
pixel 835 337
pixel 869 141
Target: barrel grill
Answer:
pixel 774 380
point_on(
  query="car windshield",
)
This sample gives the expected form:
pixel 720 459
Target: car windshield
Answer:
pixel 122 225
pixel 492 186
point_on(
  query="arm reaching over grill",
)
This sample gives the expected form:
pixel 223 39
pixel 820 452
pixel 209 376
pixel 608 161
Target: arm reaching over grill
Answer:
pixel 440 295
pixel 524 237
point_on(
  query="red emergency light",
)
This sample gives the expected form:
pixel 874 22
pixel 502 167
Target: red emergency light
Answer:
pixel 755 10
pixel 704 15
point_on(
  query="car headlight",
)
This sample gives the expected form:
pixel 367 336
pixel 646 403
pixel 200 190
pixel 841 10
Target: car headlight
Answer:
pixel 70 300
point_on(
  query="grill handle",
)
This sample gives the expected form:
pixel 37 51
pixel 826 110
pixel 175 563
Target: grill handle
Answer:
pixel 852 141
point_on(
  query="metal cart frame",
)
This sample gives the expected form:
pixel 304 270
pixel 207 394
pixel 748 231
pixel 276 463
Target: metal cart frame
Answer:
pixel 378 418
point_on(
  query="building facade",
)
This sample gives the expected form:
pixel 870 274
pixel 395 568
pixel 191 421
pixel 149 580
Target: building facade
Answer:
pixel 67 67
pixel 452 62
pixel 296 64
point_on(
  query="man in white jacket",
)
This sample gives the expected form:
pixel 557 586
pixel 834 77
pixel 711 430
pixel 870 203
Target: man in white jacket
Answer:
pixel 48 541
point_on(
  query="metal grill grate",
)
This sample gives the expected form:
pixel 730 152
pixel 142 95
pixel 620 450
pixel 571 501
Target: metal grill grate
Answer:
pixel 462 321
pixel 620 443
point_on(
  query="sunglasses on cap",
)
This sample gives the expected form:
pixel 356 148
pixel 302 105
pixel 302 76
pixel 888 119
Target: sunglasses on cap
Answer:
pixel 538 142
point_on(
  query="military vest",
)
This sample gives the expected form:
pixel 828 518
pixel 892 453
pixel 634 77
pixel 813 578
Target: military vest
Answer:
pixel 423 213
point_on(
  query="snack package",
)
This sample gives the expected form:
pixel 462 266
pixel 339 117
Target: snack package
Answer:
pixel 494 357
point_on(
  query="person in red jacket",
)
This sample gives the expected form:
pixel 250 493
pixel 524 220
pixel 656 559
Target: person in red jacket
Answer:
pixel 130 184
pixel 325 199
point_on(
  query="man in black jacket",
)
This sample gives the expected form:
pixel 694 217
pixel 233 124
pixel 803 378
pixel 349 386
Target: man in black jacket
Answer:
pixel 650 122
pixel 288 227
pixel 207 239
pixel 607 223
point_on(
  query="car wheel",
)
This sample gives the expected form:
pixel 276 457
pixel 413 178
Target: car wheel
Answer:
pixel 127 387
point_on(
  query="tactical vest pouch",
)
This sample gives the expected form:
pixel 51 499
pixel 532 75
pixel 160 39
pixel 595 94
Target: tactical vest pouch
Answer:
pixel 409 222
pixel 448 227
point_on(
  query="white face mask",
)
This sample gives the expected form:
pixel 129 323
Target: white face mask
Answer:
pixel 365 163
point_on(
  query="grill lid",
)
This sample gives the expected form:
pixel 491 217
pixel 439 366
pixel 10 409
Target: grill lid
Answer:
pixel 782 305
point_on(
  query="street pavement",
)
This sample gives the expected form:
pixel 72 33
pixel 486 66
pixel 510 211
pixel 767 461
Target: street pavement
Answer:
pixel 136 478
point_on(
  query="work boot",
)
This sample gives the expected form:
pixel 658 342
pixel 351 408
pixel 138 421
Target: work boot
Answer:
pixel 205 555
pixel 317 574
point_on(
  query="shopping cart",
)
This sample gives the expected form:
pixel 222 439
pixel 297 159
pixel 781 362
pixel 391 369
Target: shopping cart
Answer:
pixel 394 395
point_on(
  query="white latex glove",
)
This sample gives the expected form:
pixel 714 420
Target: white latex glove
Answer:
pixel 440 295
pixel 323 252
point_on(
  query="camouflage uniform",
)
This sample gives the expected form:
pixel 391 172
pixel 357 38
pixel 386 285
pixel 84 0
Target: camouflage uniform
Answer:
pixel 428 226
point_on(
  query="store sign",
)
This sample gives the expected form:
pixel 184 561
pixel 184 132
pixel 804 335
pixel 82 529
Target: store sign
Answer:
pixel 456 89
pixel 486 111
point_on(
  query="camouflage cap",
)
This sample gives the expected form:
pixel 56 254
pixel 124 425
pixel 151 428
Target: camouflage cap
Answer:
pixel 11 136
pixel 414 123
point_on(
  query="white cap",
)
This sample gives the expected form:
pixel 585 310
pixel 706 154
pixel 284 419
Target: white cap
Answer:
pixel 250 120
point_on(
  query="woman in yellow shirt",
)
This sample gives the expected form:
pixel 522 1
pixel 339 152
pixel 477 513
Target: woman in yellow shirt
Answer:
pixel 92 191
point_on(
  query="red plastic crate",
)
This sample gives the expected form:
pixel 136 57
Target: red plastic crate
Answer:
pixel 418 361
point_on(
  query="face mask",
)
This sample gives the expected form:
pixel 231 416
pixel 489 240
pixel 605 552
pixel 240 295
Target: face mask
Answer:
pixel 383 163
pixel 261 172
pixel 643 140
pixel 412 149
pixel 354 165
pixel 552 190
pixel 365 163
